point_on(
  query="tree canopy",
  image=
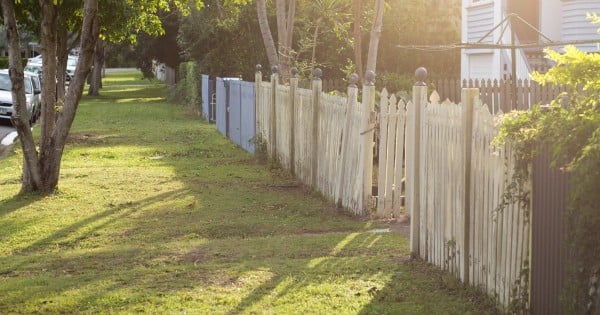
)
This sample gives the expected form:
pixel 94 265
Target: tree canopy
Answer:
pixel 225 38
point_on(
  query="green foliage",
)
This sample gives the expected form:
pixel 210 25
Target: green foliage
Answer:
pixel 570 127
pixel 224 39
pixel 187 89
pixel 4 62
pixel 422 22
pixel 395 82
pixel 120 55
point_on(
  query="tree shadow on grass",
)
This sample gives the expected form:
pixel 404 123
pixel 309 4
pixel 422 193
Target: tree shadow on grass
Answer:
pixel 426 289
pixel 17 202
pixel 346 263
pixel 146 274
pixel 114 212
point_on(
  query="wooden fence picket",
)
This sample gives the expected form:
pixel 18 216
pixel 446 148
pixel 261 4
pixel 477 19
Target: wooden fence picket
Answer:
pixel 435 157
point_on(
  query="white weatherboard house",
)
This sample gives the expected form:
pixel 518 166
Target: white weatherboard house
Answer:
pixel 558 20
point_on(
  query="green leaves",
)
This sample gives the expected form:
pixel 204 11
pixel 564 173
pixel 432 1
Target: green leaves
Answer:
pixel 570 127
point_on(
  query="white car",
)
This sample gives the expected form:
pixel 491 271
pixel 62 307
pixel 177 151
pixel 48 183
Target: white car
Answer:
pixel 71 65
pixel 36 62
pixel 32 95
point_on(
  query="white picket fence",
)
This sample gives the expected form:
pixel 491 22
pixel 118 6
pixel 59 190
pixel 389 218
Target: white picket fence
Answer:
pixel 441 152
pixel 453 196
pixel 390 177
pixel 324 140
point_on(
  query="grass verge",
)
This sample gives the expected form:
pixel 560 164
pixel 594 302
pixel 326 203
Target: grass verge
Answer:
pixel 158 213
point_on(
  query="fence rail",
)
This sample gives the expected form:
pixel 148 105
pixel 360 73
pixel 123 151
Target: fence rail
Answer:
pixel 434 157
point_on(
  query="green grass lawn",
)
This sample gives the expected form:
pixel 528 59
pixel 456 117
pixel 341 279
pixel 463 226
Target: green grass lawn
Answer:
pixel 158 213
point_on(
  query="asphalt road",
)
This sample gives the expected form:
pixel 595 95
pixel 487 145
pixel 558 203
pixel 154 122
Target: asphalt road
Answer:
pixel 7 133
pixel 5 129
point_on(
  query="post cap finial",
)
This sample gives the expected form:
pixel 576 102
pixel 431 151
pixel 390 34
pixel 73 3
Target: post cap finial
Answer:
pixel 258 67
pixel 274 69
pixel 420 76
pixel 370 77
pixel 294 72
pixel 353 79
pixel 317 74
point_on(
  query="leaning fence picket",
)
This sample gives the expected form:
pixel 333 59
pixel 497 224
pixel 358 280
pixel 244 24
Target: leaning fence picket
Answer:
pixel 483 245
pixel 455 178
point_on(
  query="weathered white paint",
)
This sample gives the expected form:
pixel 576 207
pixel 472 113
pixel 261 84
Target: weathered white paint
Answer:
pixel 328 139
pixel 457 225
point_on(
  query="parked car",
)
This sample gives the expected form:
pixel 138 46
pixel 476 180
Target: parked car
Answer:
pixel 33 68
pixel 35 60
pixel 71 66
pixel 33 91
pixel 35 65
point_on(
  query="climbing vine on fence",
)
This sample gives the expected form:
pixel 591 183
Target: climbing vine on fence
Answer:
pixel 570 127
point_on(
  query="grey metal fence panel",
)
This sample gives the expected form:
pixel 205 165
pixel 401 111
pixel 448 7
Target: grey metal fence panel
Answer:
pixel 221 106
pixel 248 116
pixel 549 254
pixel 234 111
pixel 206 96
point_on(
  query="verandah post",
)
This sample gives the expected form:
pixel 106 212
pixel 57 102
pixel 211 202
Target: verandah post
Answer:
pixel 273 117
pixel 413 161
pixel 367 132
pixel 317 89
pixel 468 97
pixel 292 99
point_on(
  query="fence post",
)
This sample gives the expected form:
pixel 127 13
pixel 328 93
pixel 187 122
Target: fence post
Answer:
pixel 293 88
pixel 273 117
pixel 413 164
pixel 258 102
pixel 368 126
pixel 468 97
pixel 317 89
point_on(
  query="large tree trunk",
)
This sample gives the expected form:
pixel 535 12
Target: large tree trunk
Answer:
pixel 375 35
pixel 285 31
pixel 62 54
pixel 356 12
pixel 285 28
pixel 89 35
pixel 31 167
pixel 96 77
pixel 265 31
pixel 49 48
pixel 42 174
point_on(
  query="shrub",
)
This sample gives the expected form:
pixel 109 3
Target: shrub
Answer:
pixel 187 89
pixel 4 62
